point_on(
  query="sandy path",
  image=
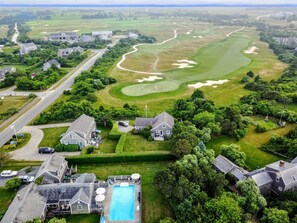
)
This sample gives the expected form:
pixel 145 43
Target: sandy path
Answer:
pixel 229 34
pixel 135 49
pixel 14 38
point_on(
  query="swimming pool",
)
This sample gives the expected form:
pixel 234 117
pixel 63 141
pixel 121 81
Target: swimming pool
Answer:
pixel 122 203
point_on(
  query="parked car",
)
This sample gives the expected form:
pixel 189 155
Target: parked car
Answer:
pixel 26 178
pixel 124 124
pixel 48 150
pixel 9 173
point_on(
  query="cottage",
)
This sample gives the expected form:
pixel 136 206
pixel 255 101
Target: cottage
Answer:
pixel 21 208
pixel 49 64
pixel 53 169
pixel 103 35
pixel 26 48
pixel 80 132
pixel 161 125
pixel 86 38
pixel 6 70
pixel 132 35
pixel 64 37
pixel 67 51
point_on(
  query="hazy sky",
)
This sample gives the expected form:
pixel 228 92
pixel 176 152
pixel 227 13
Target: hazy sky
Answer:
pixel 146 1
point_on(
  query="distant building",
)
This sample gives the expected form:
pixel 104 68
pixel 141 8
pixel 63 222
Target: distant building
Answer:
pixel 80 132
pixel 276 177
pixel 86 38
pixel 26 48
pixel 63 37
pixel 67 51
pixel 49 64
pixel 53 169
pixel 132 35
pixel 103 35
pixel 161 125
pixel 6 70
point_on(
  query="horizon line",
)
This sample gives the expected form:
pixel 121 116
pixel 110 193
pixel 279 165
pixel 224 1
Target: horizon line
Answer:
pixel 154 5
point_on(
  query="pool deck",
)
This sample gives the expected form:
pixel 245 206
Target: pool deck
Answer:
pixel 107 205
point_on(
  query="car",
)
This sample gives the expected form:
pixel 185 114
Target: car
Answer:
pixel 26 178
pixel 124 124
pixel 48 150
pixel 8 173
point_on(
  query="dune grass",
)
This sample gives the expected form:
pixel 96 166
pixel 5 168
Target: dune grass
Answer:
pixel 12 102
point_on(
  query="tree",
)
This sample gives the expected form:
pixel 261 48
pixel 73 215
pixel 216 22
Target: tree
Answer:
pixel 203 118
pixel 13 183
pixel 233 153
pixel 4 157
pixel 274 215
pixel 197 94
pixel 182 147
pixel 223 210
pixel 250 74
pixel 56 220
pixel 167 220
pixel 35 220
pixel 253 201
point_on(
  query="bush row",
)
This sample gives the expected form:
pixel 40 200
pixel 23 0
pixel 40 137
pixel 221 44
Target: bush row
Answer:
pixel 67 148
pixel 114 134
pixel 120 158
pixel 121 143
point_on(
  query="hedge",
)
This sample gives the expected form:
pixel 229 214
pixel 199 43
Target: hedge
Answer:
pixel 120 158
pixel 121 143
pixel 114 134
pixel 67 148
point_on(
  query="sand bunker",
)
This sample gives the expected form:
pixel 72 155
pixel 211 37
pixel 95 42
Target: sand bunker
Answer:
pixel 207 83
pixel 44 32
pixel 189 32
pixel 184 64
pixel 75 31
pixel 251 50
pixel 150 78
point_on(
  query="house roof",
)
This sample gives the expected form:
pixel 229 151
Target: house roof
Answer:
pixel 26 205
pixel 53 62
pixel 28 45
pixel 261 178
pixel 52 165
pixel 7 69
pixel 63 33
pixel 145 121
pixel 80 196
pixel 82 125
pixel 164 117
pixel 86 178
pixel 236 172
pixel 294 160
pixel 223 164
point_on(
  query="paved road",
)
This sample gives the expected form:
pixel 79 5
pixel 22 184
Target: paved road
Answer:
pixel 46 100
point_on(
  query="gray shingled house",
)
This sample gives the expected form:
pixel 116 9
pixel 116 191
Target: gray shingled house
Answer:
pixel 49 64
pixel 276 177
pixel 53 169
pixel 27 48
pixel 80 132
pixel 64 37
pixel 6 70
pixel 67 51
pixel 161 125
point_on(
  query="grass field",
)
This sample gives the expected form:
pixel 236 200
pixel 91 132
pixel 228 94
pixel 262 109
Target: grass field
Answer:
pixel 3 31
pixel 6 197
pixel 250 145
pixel 108 145
pixel 52 136
pixel 155 207
pixel 12 101
pixel 86 218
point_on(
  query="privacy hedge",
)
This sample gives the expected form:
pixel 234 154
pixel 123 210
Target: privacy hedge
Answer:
pixel 121 158
pixel 67 148
pixel 121 143
pixel 114 134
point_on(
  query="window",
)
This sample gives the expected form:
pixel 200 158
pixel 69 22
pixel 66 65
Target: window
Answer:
pixel 72 136
pixel 277 179
pixel 79 207
pixel 280 189
pixel 157 131
pixel 168 132
pixel 163 126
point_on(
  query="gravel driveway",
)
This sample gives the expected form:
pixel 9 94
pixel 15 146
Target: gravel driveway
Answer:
pixel 29 152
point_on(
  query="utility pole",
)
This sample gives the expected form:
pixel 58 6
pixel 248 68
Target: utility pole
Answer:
pixel 146 110
pixel 15 132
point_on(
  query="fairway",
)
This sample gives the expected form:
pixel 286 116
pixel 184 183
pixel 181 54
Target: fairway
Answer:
pixel 213 62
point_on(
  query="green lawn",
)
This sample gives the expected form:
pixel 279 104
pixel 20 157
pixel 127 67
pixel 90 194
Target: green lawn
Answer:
pixel 87 218
pixel 6 197
pixel 250 145
pixel 107 145
pixel 155 207
pixel 136 143
pixel 52 136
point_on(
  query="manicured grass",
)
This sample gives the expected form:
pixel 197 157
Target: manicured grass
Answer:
pixel 12 102
pixel 6 196
pixel 108 145
pixel 250 144
pixel 10 49
pixel 136 143
pixel 52 136
pixel 155 206
pixel 83 218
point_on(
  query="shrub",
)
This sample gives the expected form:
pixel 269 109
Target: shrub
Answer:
pixel 67 148
pixel 146 132
pixel 90 149
pixel 121 143
pixel 59 148
pixel 114 134
pixel 67 92
pixel 39 180
pixel 260 129
pixel 121 157
pixel 13 183
pixel 32 95
pixel 150 138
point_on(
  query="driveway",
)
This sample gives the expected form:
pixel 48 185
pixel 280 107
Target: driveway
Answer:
pixel 20 173
pixel 125 129
pixel 29 152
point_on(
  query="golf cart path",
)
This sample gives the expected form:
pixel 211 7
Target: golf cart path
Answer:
pixel 235 31
pixel 135 47
pixel 29 152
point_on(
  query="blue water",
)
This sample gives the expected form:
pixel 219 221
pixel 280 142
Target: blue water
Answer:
pixel 122 203
pixel 102 220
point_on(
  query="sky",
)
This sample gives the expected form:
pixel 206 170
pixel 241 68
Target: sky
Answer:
pixel 183 2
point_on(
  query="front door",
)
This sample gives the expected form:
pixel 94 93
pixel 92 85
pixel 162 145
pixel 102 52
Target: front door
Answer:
pixel 161 132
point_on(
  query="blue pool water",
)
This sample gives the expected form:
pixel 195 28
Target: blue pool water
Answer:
pixel 122 203
pixel 102 220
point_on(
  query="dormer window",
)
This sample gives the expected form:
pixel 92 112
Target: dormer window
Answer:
pixel 72 136
pixel 277 179
pixel 163 126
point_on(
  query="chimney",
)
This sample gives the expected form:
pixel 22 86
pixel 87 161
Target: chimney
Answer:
pixel 281 163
